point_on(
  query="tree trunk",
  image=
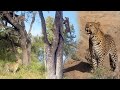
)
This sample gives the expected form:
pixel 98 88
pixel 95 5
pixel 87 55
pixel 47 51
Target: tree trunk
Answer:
pixel 59 51
pixel 50 63
pixel 59 63
pixel 25 56
pixel 29 38
pixel 50 51
pixel 54 51
pixel 23 34
pixel 24 48
pixel 29 52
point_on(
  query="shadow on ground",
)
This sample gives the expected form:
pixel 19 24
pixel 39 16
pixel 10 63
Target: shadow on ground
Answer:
pixel 82 67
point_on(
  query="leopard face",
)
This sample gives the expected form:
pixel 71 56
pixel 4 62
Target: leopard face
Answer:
pixel 92 27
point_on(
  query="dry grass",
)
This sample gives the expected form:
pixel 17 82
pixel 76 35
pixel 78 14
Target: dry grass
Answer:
pixel 34 71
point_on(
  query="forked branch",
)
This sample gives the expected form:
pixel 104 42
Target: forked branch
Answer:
pixel 44 28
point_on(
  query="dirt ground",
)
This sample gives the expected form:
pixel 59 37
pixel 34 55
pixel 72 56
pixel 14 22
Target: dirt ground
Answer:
pixel 77 70
pixel 81 70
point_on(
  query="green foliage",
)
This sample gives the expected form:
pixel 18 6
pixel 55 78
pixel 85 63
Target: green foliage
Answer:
pixel 36 69
pixel 69 39
pixel 6 49
pixel 6 52
pixel 37 46
pixel 64 77
pixel 70 43
pixel 74 57
pixel 49 27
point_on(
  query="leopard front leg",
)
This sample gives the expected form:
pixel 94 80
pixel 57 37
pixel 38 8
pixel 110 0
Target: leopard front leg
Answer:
pixel 94 64
pixel 100 62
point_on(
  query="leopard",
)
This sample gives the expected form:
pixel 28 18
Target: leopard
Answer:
pixel 100 45
pixel 12 67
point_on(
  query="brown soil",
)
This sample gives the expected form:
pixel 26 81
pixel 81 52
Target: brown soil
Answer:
pixel 77 70
pixel 81 70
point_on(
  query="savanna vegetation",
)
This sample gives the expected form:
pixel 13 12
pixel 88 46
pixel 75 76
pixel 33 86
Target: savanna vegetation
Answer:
pixel 37 53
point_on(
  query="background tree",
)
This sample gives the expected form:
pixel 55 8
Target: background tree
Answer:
pixel 16 22
pixel 29 36
pixel 38 47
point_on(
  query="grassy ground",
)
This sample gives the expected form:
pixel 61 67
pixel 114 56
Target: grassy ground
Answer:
pixel 35 70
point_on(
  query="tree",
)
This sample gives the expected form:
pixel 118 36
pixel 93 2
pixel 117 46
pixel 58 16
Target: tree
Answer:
pixel 69 42
pixel 54 50
pixel 29 37
pixel 9 40
pixel 17 23
pixel 69 38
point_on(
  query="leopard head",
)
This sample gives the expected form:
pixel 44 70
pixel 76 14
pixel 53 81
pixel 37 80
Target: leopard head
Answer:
pixel 92 27
pixel 19 61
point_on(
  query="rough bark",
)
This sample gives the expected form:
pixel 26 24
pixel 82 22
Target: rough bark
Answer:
pixel 54 51
pixel 25 56
pixel 59 62
pixel 22 31
pixel 50 64
pixel 59 51
pixel 29 52
pixel 43 24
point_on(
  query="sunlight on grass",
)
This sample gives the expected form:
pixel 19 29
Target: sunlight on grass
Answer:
pixel 35 70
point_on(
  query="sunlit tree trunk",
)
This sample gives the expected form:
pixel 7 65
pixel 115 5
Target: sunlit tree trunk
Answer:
pixel 54 51
pixel 59 62
pixel 59 51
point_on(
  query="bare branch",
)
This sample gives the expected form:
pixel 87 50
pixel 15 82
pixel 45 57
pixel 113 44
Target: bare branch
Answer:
pixel 33 19
pixel 43 27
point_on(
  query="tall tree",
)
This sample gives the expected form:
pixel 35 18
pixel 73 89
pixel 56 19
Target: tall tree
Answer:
pixel 69 38
pixel 29 36
pixel 54 50
pixel 17 22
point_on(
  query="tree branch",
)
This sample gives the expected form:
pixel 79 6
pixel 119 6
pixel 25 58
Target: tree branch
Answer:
pixel 44 28
pixel 13 22
pixel 33 19
pixel 56 30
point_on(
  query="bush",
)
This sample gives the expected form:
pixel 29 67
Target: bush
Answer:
pixel 104 73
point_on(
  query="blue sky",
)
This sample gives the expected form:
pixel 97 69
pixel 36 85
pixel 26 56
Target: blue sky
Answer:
pixel 36 29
